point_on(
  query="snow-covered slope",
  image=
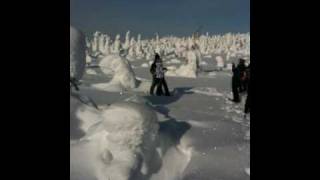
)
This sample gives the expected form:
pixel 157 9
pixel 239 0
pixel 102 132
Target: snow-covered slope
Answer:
pixel 120 143
pixel 196 134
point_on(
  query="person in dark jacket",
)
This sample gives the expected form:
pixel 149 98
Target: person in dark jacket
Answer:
pixel 235 83
pixel 247 78
pixel 243 75
pixel 247 104
pixel 157 70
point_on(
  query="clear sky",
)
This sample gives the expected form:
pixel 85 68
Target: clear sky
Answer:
pixel 167 17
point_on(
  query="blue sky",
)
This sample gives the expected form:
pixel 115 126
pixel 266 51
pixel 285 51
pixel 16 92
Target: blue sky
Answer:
pixel 167 17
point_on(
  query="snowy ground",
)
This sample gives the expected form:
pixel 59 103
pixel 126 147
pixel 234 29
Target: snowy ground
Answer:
pixel 203 131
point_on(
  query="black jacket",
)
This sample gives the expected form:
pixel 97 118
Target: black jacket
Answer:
pixel 236 77
pixel 242 69
pixel 153 69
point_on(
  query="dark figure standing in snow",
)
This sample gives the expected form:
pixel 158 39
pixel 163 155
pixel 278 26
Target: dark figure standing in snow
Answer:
pixel 157 70
pixel 235 83
pixel 247 105
pixel 243 75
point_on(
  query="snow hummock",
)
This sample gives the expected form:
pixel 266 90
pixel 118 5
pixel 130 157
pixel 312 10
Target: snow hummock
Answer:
pixel 220 62
pixel 145 65
pixel 91 71
pixel 174 61
pixel 82 117
pixel 229 66
pixel 119 146
pixel 186 70
pixel 123 77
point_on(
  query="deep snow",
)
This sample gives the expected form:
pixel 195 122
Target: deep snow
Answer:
pixel 196 134
pixel 203 133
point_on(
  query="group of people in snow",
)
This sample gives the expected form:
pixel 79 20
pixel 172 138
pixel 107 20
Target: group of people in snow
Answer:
pixel 158 79
pixel 241 83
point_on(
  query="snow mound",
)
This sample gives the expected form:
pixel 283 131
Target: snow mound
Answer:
pixel 82 116
pixel 229 66
pixel 220 62
pixel 203 63
pixel 171 68
pixel 121 147
pixel 144 65
pixel 77 53
pixel 186 70
pixel 130 58
pixel 91 71
pixel 123 77
pixel 174 61
pixel 144 86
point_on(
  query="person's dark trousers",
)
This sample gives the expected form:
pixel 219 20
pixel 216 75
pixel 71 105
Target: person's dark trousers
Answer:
pixel 247 104
pixel 246 85
pixel 155 82
pixel 159 91
pixel 243 87
pixel 235 92
pixel 164 84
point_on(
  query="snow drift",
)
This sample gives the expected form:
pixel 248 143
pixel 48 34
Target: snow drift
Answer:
pixel 119 145
pixel 189 69
pixel 82 116
pixel 123 75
